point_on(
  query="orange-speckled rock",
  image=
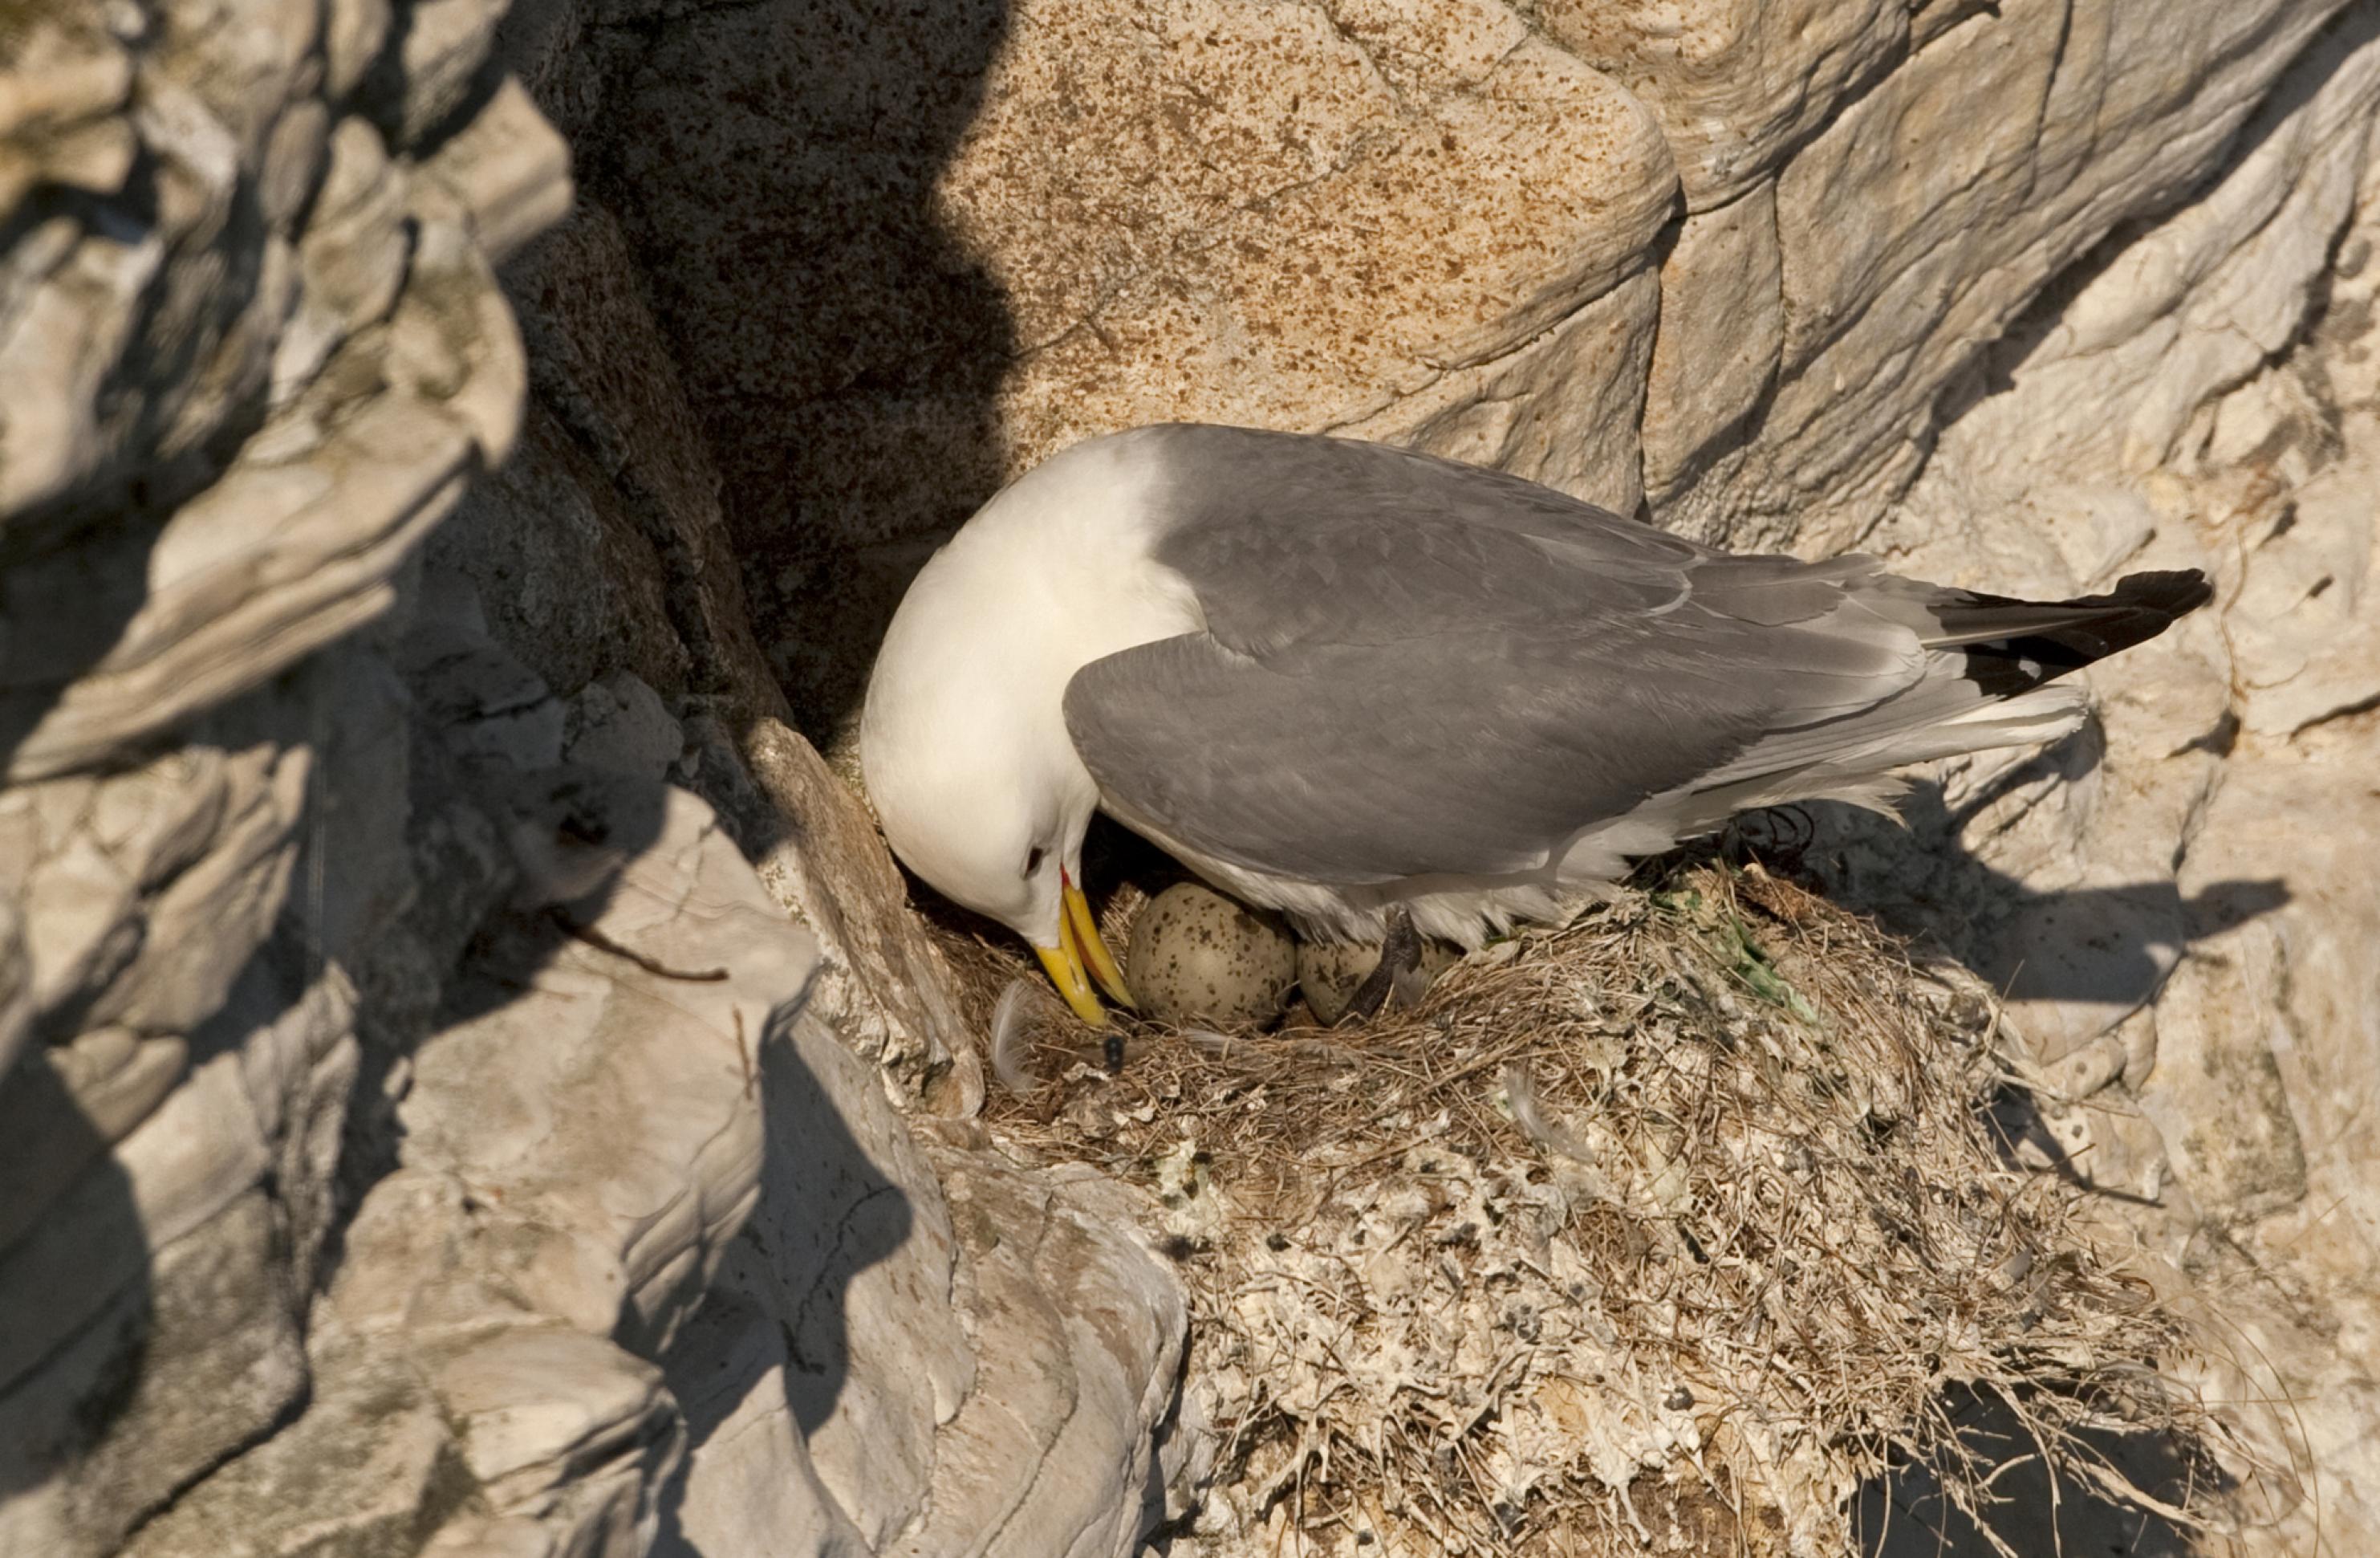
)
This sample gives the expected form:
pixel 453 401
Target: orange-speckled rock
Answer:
pixel 1287 215
pixel 902 264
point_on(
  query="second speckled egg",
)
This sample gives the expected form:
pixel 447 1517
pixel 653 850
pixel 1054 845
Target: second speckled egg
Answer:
pixel 1198 957
pixel 1330 973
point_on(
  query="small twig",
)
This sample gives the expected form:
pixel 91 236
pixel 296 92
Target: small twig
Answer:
pixel 655 967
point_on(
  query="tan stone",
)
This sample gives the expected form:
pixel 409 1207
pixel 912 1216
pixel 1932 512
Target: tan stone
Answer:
pixel 1562 410
pixel 1084 1372
pixel 2168 411
pixel 1737 84
pixel 442 47
pixel 225 901
pixel 1722 327
pixel 749 1484
pixel 352 258
pixel 510 169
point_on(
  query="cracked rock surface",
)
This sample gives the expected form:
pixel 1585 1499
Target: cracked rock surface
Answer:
pixel 406 1075
pixel 469 1082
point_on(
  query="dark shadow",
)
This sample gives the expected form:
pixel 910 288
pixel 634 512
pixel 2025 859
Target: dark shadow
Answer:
pixel 1908 1515
pixel 2111 947
pixel 76 1304
pixel 2110 944
pixel 500 867
pixel 773 166
pixel 88 1297
pixel 107 1334
pixel 583 820
pixel 74 571
pixel 777 1306
pixel 80 1309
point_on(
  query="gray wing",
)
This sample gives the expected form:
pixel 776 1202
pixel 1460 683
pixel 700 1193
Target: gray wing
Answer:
pixel 1414 667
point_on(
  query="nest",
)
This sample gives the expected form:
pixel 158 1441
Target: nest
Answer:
pixel 1673 1228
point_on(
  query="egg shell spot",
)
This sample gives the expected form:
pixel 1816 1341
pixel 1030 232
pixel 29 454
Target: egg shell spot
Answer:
pixel 1199 956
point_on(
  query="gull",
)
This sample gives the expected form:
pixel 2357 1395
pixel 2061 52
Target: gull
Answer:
pixel 1372 690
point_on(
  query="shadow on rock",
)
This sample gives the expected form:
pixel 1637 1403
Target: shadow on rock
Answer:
pixel 1908 1515
pixel 77 1300
pixel 496 852
pixel 774 167
pixel 765 1361
pixel 74 572
pixel 2101 945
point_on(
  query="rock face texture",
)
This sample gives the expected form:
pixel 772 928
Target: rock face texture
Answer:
pixel 430 1126
pixel 468 1082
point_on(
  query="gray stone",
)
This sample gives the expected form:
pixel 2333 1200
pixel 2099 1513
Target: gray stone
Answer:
pixel 368 1471
pixel 619 723
pixel 71 1102
pixel 302 909
pixel 883 985
pixel 155 1391
pixel 1968 216
pixel 16 986
pixel 644 1025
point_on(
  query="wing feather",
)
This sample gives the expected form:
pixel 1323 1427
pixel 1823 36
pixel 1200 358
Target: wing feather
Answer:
pixel 1413 668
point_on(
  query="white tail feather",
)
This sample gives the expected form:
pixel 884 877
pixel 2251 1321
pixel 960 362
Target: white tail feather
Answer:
pixel 1008 1038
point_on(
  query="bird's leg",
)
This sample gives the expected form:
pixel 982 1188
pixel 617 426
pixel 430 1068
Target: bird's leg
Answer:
pixel 1399 953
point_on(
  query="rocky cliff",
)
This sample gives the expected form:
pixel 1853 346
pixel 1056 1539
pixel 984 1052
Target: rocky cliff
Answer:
pixel 469 1081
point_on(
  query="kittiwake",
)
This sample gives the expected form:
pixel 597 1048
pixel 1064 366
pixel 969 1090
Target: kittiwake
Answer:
pixel 1340 679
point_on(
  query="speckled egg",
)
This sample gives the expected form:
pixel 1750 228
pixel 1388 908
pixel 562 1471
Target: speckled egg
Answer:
pixel 1328 973
pixel 1198 957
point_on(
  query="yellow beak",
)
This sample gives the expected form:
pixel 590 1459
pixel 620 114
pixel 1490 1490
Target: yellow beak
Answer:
pixel 1079 956
pixel 1066 973
pixel 1093 949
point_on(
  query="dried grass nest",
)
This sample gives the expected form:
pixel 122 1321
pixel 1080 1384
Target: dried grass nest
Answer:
pixel 1669 1229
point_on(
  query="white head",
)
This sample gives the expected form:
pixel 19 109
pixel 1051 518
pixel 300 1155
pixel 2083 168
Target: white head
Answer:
pixel 963 741
pixel 963 747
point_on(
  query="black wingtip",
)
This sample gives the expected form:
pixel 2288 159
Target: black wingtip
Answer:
pixel 2138 609
pixel 2176 592
pixel 2065 636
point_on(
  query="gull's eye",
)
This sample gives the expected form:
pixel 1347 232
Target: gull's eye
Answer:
pixel 1033 860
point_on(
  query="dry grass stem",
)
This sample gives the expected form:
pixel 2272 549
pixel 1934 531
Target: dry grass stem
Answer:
pixel 1669 1229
